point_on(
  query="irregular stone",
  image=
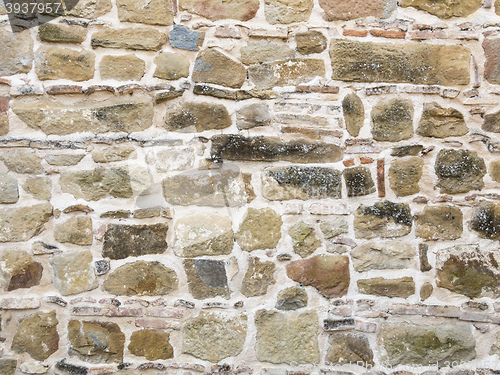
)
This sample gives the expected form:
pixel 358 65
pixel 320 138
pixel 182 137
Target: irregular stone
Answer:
pixel 253 115
pixel 213 337
pixel 22 223
pixel 90 8
pixel 171 66
pixel 73 272
pixel 132 38
pixel 287 338
pixel 259 276
pixel 175 159
pixel 354 114
pixel 219 188
pixel 440 122
pixel 141 278
pixel 295 182
pixel 291 299
pixel 261 148
pixel 410 62
pixel 114 153
pixel 63 160
pixel 212 66
pixel 459 171
pixel 404 176
pixel 71 369
pixel 410 150
pixel 333 228
pixel 192 116
pixel 19 270
pixel 426 291
pixel 64 63
pixel 402 288
pixel 4 123
pixel 39 187
pixel 392 120
pixel 96 342
pixel 259 229
pixel 420 345
pixel 16 53
pixel 288 11
pixel 495 348
pixel 492 122
pixel 439 223
pixel 289 72
pixel 58 33
pixel 9 190
pixel 383 219
pixel 380 255
pixel 183 38
pixel 494 170
pixel 327 273
pixel 151 12
pixel 312 41
pixel 8 366
pixel 491 48
pixel 117 114
pixel 304 239
pixel 347 348
pixel 486 220
pixel 37 335
pixel 262 50
pixel 352 9
pixel 358 181
pixel 101 266
pixel 206 278
pixel 22 161
pixel 152 344
pixel 242 10
pixel 459 8
pixel 122 241
pixel 122 68
pixel 76 230
pixel 199 235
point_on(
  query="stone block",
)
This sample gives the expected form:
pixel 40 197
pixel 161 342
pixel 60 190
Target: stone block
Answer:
pixel 64 63
pixel 133 38
pixel 122 68
pixel 259 229
pixel 151 12
pixel 212 66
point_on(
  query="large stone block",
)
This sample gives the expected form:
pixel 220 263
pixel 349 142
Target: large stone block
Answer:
pixel 378 286
pixel 39 187
pixel 260 51
pixel 358 181
pixel 184 38
pixel 285 73
pixel 242 10
pixel 288 11
pixel 259 276
pixel 76 230
pixel 133 38
pixel 206 278
pixel 383 219
pixel 348 348
pixel 122 68
pixel 486 220
pixel 446 9
pixel 64 63
pixel 22 223
pixel 151 12
pixel 73 272
pixel 9 190
pixel 439 223
pixel 90 8
pixel 19 270
pixel 152 344
pixel 392 120
pixel 58 33
pixel 304 239
pixel 440 122
pixel 459 171
pixel 260 229
pixel 379 255
pixel 352 9
pixel 405 174
pixel 193 116
pixel 22 161
pixel 16 52
pixel 311 41
pixel 171 66
pixel 492 122
pixel 212 66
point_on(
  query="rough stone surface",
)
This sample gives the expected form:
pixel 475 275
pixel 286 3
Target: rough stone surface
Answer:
pixel 491 48
pixel 291 299
pixel 253 115
pixel 378 255
pixel 171 66
pixel 327 273
pixel 122 68
pixel 22 161
pixel 37 335
pixel 492 122
pixel 73 272
pixel 206 278
pixel 285 73
pixel 392 120
pixel 151 12
pixel 22 223
pixel 352 9
pixel 8 366
pixel 304 239
pixel 358 181
pixel 354 114
pixel 212 66
pixel 193 116
pixel 262 50
pixel 287 338
pixel 90 8
pixel 39 187
pixel 486 220
pixel 448 9
pixel 260 229
pixel 333 228
pixel 346 348
pixel 57 33
pixel 402 288
pixel 18 270
pixel 9 189
pixel 141 278
pixel 180 159
pixel 440 122
pixel 183 38
pixel 199 235
pixel 459 171
pixel 76 230
pixel 405 174
pixel 257 278
pixel 426 291
pixel 63 159
pixel 288 11
pixel 213 337
pixel 16 52
pixel 242 10
pixel 152 344
pixel 383 219
pixel 64 63
pixel 312 41
pixel 114 153
pixel 494 170
pixel 439 223
pixel 134 38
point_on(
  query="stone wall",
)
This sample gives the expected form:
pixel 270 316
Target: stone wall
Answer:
pixel 276 187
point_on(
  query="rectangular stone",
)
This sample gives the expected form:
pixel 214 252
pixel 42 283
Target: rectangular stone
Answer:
pixel 165 312
pixel 87 311
pixel 131 38
pixel 475 317
pixel 312 132
pixel 330 325
pixel 363 326
pixel 279 32
pixel 19 303
pixel 124 311
pixel 288 119
pixel 157 324
pixel 407 309
pixel 297 107
pixel 379 90
pixel 328 209
pixel 444 311
pixel 413 89
pixel 361 146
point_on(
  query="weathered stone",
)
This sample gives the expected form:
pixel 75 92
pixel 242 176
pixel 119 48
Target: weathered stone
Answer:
pixel 491 48
pixel 426 291
pixel 122 68
pixel 327 273
pixel 206 278
pixel 304 239
pixel 22 223
pixel 213 337
pixel 193 116
pixel 460 8
pixel 440 122
pixel 22 161
pixel 287 338
pixel 19 270
pixel 288 11
pixel 291 299
pixel 122 241
pixel 459 171
pixel 358 181
pixel 295 182
pixel 152 344
pixel 333 228
pixel 311 41
pixel 354 114
pixel 492 122
pixel 260 148
pixel 402 288
pixel 73 272
pixel 97 184
pixel 63 160
pixel 486 220
pixel 114 153
pixel 9 190
pixel 352 9
pixel 183 38
pixel 8 366
pixel 219 187
pixel 495 348
pixel 420 345
pixel 410 62
pixel 37 335
pixel 90 8
pixel 199 235
pixel 151 12
pixel 259 229
pixel 71 369
pixel 132 38
pixel 439 223
pixel 253 115
pixel 177 159
pixel 16 52
pixel 494 170
pixel 76 230
pixel 262 50
pixel 380 255
pixel 383 219
pixel 392 120
pixel 242 10
pixel 171 66
pixel 347 348
pixel 58 33
pixel 405 174
pixel 141 278
pixel 4 123
pixel 259 276
pixel 64 63
pixel 117 114
pixel 409 150
pixel 96 342
pixel 285 73
pixel 212 66
pixel 39 187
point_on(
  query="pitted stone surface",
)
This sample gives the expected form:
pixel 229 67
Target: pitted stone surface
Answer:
pixel 260 229
pixel 439 223
pixel 206 278
pixel 22 223
pixel 459 171
pixel 257 278
pixel 377 255
pixel 73 272
pixel 384 219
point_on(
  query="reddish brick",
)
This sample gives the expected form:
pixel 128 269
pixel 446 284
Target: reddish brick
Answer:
pixel 360 33
pixel 64 89
pixel 392 34
pixel 381 177
pixel 365 160
pixel 349 162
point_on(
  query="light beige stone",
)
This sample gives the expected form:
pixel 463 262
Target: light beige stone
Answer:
pixel 16 52
pixel 76 230
pixel 212 66
pixel 118 152
pixel 22 161
pixel 133 38
pixel 64 63
pixel 171 66
pixel 39 187
pixel 260 229
pixel 22 223
pixel 380 255
pixel 90 8
pixel 73 272
pixel 151 12
pixel 122 68
pixel 242 10
pixel 288 11
pixel 262 50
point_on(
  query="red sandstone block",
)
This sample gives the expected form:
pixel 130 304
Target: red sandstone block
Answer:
pixel 359 33
pixel 348 162
pixel 392 34
pixel 365 160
